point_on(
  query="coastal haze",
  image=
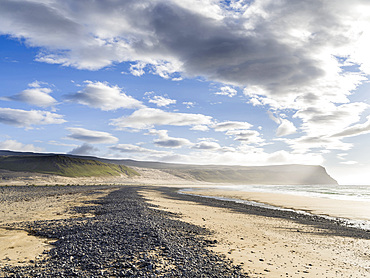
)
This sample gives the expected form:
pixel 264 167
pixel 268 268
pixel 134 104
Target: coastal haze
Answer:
pixel 194 138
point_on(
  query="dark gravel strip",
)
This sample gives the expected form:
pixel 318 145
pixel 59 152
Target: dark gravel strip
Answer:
pixel 332 227
pixel 28 193
pixel 126 238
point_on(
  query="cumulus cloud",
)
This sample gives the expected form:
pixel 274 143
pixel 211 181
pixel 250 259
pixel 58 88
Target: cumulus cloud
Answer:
pixel 38 94
pixel 104 96
pixel 85 149
pixel 149 117
pixel 200 128
pixel 189 104
pixel 329 119
pixel 264 42
pixel 91 136
pixel 247 136
pixel 171 142
pixel 284 54
pixel 137 69
pixel 227 91
pixel 231 125
pixel 355 130
pixel 13 145
pixel 306 143
pixel 278 47
pixel 161 101
pixel 206 145
pixel 23 118
pixel 166 141
pixel 285 128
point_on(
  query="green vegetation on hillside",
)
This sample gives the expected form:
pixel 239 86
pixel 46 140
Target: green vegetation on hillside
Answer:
pixel 64 166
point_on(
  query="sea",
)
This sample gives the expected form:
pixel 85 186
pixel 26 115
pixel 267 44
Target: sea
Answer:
pixel 337 192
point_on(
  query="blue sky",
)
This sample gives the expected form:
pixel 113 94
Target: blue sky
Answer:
pixel 207 82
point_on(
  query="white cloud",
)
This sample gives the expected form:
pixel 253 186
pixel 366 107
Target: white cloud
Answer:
pixel 231 125
pixel 285 54
pixel 285 128
pixel 306 143
pixel 137 69
pixel 189 104
pixel 246 136
pixel 200 128
pixel 355 130
pixel 177 79
pixel 149 117
pixel 268 43
pixel 227 91
pixel 91 136
pixel 273 117
pixel 166 141
pixel 13 145
pixel 329 119
pixel 172 142
pixel 35 95
pixel 161 101
pixel 23 118
pixel 206 145
pixel 103 96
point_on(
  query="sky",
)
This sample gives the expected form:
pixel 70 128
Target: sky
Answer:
pixel 236 82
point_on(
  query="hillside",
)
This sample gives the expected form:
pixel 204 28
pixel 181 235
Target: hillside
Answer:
pixel 63 166
pixel 86 166
pixel 282 174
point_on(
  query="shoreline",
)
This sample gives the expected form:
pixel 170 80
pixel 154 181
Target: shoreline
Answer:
pixel 354 212
pixel 152 230
pixel 272 243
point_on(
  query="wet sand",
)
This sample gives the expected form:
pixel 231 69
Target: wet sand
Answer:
pixel 357 210
pixel 270 246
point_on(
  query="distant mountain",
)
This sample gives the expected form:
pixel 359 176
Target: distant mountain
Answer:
pixel 63 166
pixel 71 165
pixel 281 174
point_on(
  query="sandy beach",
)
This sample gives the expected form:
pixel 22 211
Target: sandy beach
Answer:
pixel 272 247
pixel 260 242
pixel 19 246
pixel 358 210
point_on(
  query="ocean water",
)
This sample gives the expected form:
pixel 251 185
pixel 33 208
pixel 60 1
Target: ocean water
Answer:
pixel 337 192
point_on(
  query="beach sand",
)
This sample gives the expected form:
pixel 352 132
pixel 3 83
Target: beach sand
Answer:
pixel 265 246
pixel 358 210
pixel 268 246
pixel 19 247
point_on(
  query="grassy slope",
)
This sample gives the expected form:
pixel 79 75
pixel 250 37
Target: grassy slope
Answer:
pixel 289 174
pixel 64 166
